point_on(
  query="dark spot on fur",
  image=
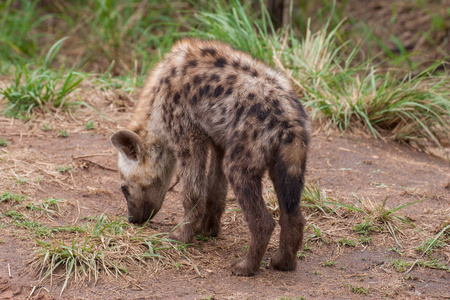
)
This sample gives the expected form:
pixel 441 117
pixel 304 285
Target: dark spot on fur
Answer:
pixel 236 151
pixel 173 71
pixel 289 138
pixel 235 64
pixel 218 91
pixel 187 89
pixel 238 115
pixel 176 98
pixel 229 91
pixel 231 79
pixel 210 51
pixel 254 73
pixel 255 134
pixel 245 67
pixel 272 123
pixel 197 80
pixel 300 122
pixel 167 80
pixel 285 125
pixel 251 96
pixel 214 77
pixel 192 63
pixel 244 133
pixel 203 91
pixel 220 62
pixel 194 99
pixel 257 111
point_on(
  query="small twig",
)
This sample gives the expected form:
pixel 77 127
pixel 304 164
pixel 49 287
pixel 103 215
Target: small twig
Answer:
pixel 90 155
pixel 32 291
pixel 9 271
pixel 97 164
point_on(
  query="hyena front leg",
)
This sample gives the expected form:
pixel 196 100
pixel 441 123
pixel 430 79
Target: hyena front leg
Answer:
pixel 248 190
pixel 193 165
pixel 215 195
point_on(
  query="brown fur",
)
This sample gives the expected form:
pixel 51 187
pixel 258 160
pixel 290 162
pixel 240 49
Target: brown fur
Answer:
pixel 207 97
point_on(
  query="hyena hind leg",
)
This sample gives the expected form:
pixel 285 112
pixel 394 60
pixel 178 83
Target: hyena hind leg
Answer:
pixel 288 188
pixel 248 191
pixel 216 193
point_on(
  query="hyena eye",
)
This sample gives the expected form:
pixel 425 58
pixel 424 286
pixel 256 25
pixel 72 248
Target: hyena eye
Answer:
pixel 125 190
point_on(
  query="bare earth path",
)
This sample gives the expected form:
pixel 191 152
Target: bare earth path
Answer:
pixel 344 168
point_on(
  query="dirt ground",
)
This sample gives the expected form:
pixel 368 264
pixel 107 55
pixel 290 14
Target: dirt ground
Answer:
pixel 343 167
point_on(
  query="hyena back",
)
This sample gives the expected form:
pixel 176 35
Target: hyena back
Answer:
pixel 207 98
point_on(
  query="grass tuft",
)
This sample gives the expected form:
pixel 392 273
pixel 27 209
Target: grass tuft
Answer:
pixel 42 88
pixel 11 197
pixel 107 246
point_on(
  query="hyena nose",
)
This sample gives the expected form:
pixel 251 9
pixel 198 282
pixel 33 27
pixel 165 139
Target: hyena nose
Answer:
pixel 131 219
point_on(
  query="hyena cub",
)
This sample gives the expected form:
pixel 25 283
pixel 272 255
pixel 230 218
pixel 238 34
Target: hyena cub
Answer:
pixel 206 97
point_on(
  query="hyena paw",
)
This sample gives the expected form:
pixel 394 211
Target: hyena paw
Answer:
pixel 181 236
pixel 242 267
pixel 209 230
pixel 282 262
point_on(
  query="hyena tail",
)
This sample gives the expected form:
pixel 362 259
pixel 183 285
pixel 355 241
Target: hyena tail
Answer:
pixel 288 175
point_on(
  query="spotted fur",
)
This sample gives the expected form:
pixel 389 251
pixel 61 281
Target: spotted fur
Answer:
pixel 206 98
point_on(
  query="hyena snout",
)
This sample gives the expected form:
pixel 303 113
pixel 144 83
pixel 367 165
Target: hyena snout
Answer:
pixel 141 214
pixel 141 208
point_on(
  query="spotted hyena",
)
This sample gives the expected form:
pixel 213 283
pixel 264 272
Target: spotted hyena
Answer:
pixel 206 98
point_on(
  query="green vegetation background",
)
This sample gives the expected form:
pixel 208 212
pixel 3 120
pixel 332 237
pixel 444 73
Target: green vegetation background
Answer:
pixel 348 66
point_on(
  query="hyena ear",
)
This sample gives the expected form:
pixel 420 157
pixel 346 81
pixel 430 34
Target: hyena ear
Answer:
pixel 128 143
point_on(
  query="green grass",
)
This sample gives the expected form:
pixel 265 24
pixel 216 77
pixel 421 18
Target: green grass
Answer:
pixel 11 197
pixel 328 70
pixel 347 242
pixel 329 263
pixel 3 142
pixel 18 39
pixel 64 169
pixel 89 125
pixel 63 133
pixel 365 227
pixel 49 206
pixel 20 180
pixel 358 289
pixel 403 266
pixel 32 227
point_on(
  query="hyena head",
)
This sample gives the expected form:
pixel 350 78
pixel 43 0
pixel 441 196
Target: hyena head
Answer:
pixel 145 173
